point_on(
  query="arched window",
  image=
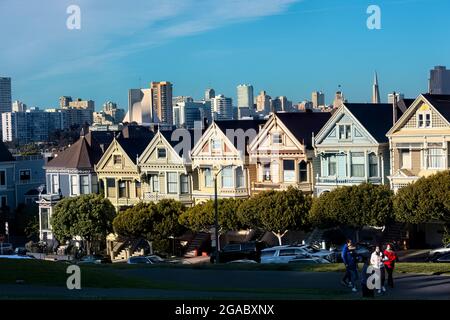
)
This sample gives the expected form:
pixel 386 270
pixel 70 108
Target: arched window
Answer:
pixel 303 171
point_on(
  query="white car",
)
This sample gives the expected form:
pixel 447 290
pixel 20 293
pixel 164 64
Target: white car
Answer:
pixel 439 251
pixel 284 254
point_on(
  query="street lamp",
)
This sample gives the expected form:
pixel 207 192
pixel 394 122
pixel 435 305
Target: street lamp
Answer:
pixel 216 209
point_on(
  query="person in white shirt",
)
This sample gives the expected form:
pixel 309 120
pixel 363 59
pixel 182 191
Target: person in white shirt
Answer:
pixel 377 261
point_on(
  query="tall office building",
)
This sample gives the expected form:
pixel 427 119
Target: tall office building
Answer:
pixel 375 90
pixel 185 114
pixel 139 106
pixel 18 106
pixel 109 115
pixel 318 99
pixel 400 96
pixel 33 125
pixel 222 107
pixel 162 102
pixel 281 104
pixel 209 94
pixel 439 80
pixel 179 99
pixel 5 97
pixel 245 100
pixel 338 99
pixel 263 103
pixel 79 112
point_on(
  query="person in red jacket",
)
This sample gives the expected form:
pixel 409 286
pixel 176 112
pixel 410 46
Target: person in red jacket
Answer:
pixel 389 263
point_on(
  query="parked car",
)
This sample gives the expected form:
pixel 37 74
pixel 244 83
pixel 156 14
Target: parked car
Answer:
pixel 438 252
pixel 284 254
pixel 156 259
pixel 240 251
pixel 21 251
pixel 305 259
pixel 441 258
pixel 243 261
pixel 6 248
pixel 362 251
pixel 94 259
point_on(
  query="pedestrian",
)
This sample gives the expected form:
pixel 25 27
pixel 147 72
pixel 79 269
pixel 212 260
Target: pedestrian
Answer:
pixel 391 258
pixel 366 292
pixel 352 262
pixel 377 262
pixel 346 278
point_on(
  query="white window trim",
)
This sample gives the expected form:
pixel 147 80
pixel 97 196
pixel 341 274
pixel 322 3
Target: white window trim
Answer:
pixel 78 184
pixel 424 113
pixel 157 152
pixel 25 170
pixel 52 185
pixel 89 183
pixel 338 133
pixel 176 181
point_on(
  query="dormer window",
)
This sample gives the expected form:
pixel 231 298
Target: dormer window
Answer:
pixel 162 153
pixel 117 159
pixel 424 120
pixel 345 132
pixel 276 138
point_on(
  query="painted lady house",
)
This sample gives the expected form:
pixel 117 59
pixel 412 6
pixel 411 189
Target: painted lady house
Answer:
pixel 165 166
pixel 222 152
pixel 352 146
pixel 420 146
pixel 283 153
pixel 118 171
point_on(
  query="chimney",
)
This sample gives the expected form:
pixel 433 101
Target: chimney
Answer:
pixel 394 109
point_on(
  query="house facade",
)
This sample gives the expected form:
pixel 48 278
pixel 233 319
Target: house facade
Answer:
pixel 420 140
pixel 165 167
pixel 283 154
pixel 352 146
pixel 222 152
pixel 69 174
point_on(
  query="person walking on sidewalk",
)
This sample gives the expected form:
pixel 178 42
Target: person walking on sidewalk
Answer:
pixel 346 279
pixel 391 258
pixel 377 262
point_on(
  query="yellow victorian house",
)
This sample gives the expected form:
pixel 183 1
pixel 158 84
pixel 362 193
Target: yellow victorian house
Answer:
pixel 420 140
pixel 165 166
pixel 222 152
pixel 283 153
pixel 118 171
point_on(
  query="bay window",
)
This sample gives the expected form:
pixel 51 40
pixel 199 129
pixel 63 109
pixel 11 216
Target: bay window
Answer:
pixel 239 178
pixel 184 181
pixel 357 164
pixel 172 182
pixel 303 171
pixel 332 165
pixel 227 177
pixel 435 156
pixel 74 187
pixel 84 184
pixel 373 165
pixel 266 172
pixel 288 170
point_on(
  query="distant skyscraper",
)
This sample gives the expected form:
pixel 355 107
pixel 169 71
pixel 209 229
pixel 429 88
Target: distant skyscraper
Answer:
pixel 179 99
pixel 185 114
pixel 281 104
pixel 18 106
pixel 5 97
pixel 139 106
pixel 263 103
pixel 338 99
pixel 318 99
pixel 245 100
pixel 400 96
pixel 64 101
pixel 222 107
pixel 79 112
pixel 439 80
pixel 209 94
pixel 162 102
pixel 375 90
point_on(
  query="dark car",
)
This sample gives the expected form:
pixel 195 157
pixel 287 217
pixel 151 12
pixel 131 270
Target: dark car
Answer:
pixel 6 249
pixel 363 250
pixel 240 251
pixel 94 259
pixel 441 258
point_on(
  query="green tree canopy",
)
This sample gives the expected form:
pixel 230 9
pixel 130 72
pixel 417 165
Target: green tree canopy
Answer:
pixel 201 216
pixel 355 206
pixel 88 216
pixel 425 200
pixel 277 211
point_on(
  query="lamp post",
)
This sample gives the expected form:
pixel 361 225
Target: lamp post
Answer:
pixel 216 215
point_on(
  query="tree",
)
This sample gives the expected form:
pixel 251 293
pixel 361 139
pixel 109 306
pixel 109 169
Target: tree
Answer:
pixel 425 200
pixel 201 217
pixel 88 216
pixel 277 211
pixel 154 222
pixel 355 206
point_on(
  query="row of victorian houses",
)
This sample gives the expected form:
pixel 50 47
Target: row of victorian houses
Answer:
pixel 393 144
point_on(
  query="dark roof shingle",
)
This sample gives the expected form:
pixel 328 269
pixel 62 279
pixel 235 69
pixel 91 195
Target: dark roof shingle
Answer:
pixel 375 117
pixel 304 124
pixel 441 102
pixel 5 155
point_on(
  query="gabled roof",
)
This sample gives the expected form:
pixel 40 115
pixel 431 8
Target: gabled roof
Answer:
pixel 244 125
pixel 303 124
pixel 375 117
pixel 5 155
pixel 190 135
pixel 134 147
pixel 441 102
pixel 77 156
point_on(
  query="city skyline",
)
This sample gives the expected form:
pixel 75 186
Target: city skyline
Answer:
pixel 115 57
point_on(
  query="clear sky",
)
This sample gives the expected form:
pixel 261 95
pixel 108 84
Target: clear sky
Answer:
pixel 286 47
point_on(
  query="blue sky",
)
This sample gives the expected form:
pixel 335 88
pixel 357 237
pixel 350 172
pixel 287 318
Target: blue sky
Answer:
pixel 286 47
